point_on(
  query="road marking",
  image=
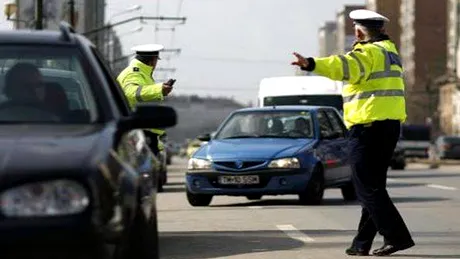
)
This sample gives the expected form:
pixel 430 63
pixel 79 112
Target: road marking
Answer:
pixel 294 233
pixel 255 207
pixel 442 187
pixel 392 180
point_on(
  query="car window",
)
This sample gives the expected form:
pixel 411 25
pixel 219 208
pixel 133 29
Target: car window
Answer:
pixel 44 84
pixel 325 126
pixel 336 122
pixel 452 140
pixel 116 90
pixel 267 124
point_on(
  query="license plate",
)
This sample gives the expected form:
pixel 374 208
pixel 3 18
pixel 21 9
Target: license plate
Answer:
pixel 239 179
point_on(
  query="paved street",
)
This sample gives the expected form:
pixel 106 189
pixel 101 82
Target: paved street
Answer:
pixel 277 227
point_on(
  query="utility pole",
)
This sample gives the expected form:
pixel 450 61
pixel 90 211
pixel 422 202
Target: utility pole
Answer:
pixel 72 12
pixel 39 15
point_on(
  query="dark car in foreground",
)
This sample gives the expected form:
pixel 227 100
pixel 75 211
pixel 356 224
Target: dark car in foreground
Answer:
pixel 76 175
pixel 272 151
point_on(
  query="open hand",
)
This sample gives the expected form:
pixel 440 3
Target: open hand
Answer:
pixel 301 61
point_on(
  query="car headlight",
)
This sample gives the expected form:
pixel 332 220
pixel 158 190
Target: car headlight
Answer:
pixel 52 198
pixel 198 164
pixel 285 163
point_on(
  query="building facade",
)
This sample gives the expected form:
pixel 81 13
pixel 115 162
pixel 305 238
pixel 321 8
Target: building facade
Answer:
pixel 423 50
pixel 391 9
pixel 449 109
pixel 88 15
pixel 327 39
pixel 345 31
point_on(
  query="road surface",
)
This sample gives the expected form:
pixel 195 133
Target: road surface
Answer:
pixel 277 227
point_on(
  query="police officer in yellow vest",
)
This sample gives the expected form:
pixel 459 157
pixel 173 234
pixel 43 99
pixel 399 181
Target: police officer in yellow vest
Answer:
pixel 374 107
pixel 139 86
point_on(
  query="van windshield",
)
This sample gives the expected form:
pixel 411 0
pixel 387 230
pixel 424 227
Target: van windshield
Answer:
pixel 415 133
pixel 335 101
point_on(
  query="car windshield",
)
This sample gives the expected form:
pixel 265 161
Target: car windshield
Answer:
pixel 267 124
pixel 44 84
pixel 415 133
pixel 452 140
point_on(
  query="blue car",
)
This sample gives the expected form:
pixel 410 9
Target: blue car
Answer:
pixel 275 150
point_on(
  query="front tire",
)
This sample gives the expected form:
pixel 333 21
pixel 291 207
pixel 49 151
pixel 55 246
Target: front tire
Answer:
pixel 313 195
pixel 198 200
pixel 254 197
pixel 398 166
pixel 141 240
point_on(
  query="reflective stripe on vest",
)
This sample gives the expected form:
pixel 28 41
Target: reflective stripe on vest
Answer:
pixel 138 91
pixel 390 59
pixel 360 65
pixel 376 93
pixel 345 68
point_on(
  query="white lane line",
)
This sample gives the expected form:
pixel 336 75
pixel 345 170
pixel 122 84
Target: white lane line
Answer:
pixel 255 207
pixel 392 180
pixel 442 187
pixel 294 233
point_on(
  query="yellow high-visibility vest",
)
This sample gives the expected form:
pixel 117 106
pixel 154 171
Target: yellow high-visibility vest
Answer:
pixel 139 86
pixel 375 89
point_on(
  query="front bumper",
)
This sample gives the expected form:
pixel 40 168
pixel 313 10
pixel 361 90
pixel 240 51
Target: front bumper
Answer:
pixel 417 153
pixel 272 182
pixel 37 237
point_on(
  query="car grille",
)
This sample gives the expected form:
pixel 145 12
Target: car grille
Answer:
pixel 239 166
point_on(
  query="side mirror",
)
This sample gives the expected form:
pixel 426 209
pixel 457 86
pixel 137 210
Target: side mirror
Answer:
pixel 147 116
pixel 204 137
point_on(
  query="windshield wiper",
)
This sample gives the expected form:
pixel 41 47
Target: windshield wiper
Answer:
pixel 272 136
pixel 242 136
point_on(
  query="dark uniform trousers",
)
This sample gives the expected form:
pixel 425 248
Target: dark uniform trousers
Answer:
pixel 152 141
pixel 371 149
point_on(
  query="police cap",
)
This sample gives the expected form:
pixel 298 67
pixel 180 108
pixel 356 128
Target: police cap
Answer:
pixel 368 18
pixel 150 50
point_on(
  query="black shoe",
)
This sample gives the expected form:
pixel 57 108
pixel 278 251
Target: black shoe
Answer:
pixel 390 249
pixel 357 251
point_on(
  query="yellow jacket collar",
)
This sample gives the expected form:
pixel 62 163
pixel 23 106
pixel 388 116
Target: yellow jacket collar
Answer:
pixel 145 69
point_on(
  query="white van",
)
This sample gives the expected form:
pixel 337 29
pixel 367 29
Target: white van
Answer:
pixel 301 90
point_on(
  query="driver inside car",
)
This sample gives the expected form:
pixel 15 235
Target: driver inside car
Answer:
pixel 25 90
pixel 301 126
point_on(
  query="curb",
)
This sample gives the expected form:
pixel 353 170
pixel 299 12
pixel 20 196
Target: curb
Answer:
pixel 441 162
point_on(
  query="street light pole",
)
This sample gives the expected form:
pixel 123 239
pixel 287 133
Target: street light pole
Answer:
pixel 39 15
pixel 131 9
pixel 72 12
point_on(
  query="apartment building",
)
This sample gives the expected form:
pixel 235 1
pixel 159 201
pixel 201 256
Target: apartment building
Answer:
pixel 345 32
pixel 390 9
pixel 423 50
pixel 327 39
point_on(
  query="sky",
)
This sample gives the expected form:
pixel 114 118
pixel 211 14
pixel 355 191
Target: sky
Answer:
pixel 227 46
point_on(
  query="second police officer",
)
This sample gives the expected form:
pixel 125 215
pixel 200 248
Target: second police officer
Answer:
pixel 138 84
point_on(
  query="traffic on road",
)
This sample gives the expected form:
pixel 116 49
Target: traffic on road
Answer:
pixel 324 166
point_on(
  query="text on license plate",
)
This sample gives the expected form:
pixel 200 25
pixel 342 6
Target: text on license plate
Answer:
pixel 239 179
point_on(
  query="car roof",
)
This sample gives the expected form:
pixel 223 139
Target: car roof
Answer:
pixel 299 85
pixel 285 108
pixel 42 37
